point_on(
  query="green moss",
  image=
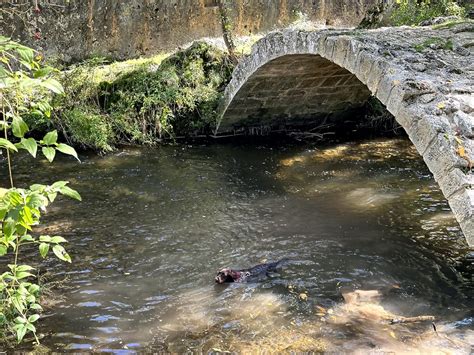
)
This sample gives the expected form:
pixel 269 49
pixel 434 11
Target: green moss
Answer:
pixel 435 43
pixel 143 101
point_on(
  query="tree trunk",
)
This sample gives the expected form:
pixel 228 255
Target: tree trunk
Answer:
pixel 227 30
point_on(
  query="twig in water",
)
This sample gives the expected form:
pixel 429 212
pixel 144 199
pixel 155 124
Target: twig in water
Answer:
pixel 412 320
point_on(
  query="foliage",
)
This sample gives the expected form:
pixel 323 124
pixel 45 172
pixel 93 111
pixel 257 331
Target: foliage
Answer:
pixel 414 12
pixel 25 89
pixel 88 127
pixel 180 97
pixel 143 102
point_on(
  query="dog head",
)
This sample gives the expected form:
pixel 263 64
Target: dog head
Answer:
pixel 225 275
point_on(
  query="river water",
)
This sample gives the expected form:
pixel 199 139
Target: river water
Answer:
pixel 156 224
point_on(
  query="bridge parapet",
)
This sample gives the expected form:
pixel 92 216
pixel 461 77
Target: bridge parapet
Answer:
pixel 424 76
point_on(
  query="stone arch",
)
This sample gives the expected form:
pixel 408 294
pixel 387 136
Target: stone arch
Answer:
pixel 433 104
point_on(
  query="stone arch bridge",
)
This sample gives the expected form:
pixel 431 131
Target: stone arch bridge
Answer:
pixel 424 77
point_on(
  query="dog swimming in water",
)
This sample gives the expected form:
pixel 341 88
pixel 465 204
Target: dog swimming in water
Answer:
pixel 228 275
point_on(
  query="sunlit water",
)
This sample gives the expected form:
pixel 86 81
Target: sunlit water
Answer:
pixel 156 224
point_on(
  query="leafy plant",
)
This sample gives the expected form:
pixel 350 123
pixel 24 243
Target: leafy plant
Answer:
pixel 413 12
pixel 26 87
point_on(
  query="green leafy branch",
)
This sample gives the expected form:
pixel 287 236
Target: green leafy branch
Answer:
pixel 26 87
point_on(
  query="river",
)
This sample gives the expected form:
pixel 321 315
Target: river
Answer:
pixel 156 224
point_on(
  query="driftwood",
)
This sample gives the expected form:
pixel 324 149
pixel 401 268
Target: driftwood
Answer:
pixel 372 297
pixel 402 320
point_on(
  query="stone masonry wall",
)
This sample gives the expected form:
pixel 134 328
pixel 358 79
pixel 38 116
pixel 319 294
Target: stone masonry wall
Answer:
pixel 72 30
pixel 297 90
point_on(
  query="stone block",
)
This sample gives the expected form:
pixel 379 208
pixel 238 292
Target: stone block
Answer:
pixel 351 59
pixel 312 40
pixel 378 70
pixel 395 100
pixel 427 129
pixel 467 227
pixel 341 49
pixel 464 124
pixel 454 181
pixel 407 116
pixel 326 46
pixel 462 205
pixel 440 156
pixel 364 66
pixel 385 86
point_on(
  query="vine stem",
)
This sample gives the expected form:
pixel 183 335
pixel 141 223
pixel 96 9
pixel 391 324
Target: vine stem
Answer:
pixel 9 162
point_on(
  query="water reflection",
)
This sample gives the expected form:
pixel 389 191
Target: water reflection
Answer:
pixel 156 224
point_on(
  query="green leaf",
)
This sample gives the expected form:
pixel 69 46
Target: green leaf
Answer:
pixel 20 333
pixel 31 327
pixel 23 274
pixel 30 145
pixel 45 108
pixel 26 219
pixel 24 268
pixel 45 238
pixel 60 252
pixel 19 127
pixel 66 190
pixel 20 320
pixel 58 239
pixel 53 85
pixel 36 307
pixel 37 187
pixel 36 200
pixel 26 238
pixel 3 250
pixel 59 184
pixel 9 227
pixel 42 72
pixel 66 149
pixel 33 318
pixel 25 64
pixel 25 53
pixel 49 153
pixel 43 249
pixel 5 143
pixel 52 196
pixel 31 299
pixel 50 137
pixel 18 304
pixel 33 288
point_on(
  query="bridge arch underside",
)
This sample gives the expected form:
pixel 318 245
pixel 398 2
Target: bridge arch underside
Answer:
pixel 296 90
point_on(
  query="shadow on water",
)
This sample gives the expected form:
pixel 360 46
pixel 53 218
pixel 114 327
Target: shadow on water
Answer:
pixel 156 224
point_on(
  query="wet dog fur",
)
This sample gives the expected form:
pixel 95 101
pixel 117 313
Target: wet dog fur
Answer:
pixel 228 275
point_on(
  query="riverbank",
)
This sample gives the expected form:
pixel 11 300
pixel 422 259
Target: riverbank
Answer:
pixel 140 101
